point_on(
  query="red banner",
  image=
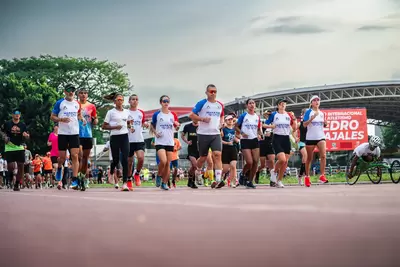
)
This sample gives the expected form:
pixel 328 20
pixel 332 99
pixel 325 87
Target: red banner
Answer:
pixel 347 128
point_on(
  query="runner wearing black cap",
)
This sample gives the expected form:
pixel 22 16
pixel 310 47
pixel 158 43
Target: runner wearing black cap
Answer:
pixel 13 133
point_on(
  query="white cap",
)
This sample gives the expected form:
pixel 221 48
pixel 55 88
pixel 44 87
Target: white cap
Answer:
pixel 228 117
pixel 313 98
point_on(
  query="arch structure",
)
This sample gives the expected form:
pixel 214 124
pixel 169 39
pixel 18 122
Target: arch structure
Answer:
pixel 381 99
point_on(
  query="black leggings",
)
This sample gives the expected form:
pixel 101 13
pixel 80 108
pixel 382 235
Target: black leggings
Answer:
pixel 120 143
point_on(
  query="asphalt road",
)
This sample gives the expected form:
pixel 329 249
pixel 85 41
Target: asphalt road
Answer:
pixel 319 226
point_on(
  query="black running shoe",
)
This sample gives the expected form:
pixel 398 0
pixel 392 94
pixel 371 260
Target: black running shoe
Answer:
pixel 220 184
pixel 273 184
pixel 250 185
pixel 16 187
pixel 82 184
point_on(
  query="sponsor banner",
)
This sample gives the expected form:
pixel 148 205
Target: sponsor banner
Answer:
pixel 346 128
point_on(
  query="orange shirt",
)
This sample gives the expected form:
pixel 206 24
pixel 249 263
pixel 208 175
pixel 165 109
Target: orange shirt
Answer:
pixel 47 165
pixel 177 146
pixel 37 163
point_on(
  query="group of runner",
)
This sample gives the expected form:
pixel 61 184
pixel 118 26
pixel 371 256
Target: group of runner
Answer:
pixel 212 137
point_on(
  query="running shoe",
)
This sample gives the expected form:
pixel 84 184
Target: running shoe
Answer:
pixel 213 184
pixel 241 178
pixel 323 180
pixel 125 187
pixel 307 181
pixel 164 186
pixel 280 184
pixel 206 184
pixel 220 184
pixel 82 184
pixel 116 186
pixel 74 185
pixel 129 184
pixel 59 186
pixel 273 176
pixel 174 183
pixel 250 185
pixel 193 186
pixel 158 181
pixel 137 179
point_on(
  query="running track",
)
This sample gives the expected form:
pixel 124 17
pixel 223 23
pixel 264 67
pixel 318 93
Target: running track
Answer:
pixel 318 226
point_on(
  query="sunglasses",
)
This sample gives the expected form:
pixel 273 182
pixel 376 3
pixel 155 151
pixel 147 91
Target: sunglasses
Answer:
pixel 212 91
pixel 70 90
pixel 165 100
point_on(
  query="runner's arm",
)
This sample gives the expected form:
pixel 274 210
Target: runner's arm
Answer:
pixel 107 126
pixel 152 129
pixel 196 118
pixel 183 136
pixel 353 164
pixel 55 118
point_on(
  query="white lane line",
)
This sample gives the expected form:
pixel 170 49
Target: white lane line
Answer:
pixel 249 207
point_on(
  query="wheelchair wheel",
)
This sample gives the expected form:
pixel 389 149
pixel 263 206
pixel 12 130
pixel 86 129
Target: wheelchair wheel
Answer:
pixel 356 173
pixel 395 171
pixel 375 174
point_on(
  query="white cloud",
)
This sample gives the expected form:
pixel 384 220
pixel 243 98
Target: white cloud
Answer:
pixel 243 48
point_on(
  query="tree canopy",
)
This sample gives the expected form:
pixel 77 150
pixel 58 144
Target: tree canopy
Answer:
pixel 34 84
pixel 391 135
pixel 100 77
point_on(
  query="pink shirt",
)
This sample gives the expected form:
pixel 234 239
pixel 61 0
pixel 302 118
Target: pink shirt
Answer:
pixel 54 145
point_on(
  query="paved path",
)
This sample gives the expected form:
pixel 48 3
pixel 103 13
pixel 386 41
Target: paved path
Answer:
pixel 317 226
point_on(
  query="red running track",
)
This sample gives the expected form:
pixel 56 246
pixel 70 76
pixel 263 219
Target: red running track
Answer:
pixel 318 226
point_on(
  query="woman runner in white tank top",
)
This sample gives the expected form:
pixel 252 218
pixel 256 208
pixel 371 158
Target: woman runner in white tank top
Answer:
pixel 315 122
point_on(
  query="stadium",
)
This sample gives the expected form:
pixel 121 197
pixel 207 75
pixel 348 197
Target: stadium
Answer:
pixel 380 99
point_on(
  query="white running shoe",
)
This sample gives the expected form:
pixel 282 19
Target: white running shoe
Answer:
pixel 116 186
pixel 273 176
pixel 280 184
pixel 125 187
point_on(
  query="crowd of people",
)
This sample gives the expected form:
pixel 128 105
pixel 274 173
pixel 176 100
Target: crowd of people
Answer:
pixel 213 139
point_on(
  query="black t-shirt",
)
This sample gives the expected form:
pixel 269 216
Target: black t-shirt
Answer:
pixel 303 132
pixel 14 131
pixel 191 131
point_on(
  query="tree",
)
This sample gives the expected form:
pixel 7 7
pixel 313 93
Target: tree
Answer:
pixel 35 101
pixel 99 77
pixel 391 135
pixel 44 78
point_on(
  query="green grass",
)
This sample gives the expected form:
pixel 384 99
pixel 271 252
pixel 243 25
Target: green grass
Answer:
pixel 337 178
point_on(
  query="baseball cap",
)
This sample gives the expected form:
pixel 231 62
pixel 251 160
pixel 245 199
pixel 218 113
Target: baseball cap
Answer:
pixel 227 117
pixel 16 112
pixel 313 98
pixel 267 111
pixel 280 100
pixel 70 87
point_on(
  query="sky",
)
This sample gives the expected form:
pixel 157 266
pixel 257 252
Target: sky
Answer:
pixel 177 47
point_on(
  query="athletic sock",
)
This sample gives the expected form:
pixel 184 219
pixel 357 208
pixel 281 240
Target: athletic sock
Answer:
pixel 218 174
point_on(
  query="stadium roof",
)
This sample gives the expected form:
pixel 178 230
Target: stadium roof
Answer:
pixel 381 98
